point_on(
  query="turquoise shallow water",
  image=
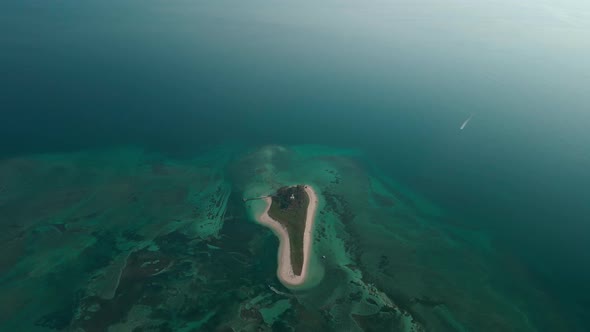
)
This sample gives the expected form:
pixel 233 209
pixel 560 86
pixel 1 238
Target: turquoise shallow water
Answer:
pixel 125 238
pixel 130 131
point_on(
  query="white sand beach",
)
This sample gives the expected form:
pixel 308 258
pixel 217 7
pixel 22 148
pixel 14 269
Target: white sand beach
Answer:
pixel 285 270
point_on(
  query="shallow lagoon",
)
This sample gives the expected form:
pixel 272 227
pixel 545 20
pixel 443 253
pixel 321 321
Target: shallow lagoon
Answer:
pixel 123 239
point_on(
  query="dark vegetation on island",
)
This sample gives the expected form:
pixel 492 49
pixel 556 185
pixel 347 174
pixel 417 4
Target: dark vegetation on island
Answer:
pixel 289 207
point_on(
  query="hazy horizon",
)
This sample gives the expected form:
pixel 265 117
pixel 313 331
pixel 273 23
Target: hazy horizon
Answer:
pixel 391 80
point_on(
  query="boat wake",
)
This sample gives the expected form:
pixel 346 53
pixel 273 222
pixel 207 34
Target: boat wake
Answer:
pixel 466 122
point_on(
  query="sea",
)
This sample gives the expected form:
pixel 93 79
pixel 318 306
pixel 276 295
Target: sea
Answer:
pixel 132 131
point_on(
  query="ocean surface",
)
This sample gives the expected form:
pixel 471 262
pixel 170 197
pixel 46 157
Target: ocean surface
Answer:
pixel 131 131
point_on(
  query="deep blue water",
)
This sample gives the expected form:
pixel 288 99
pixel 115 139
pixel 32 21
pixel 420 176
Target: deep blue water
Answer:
pixel 394 79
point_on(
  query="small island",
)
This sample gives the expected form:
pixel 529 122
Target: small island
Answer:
pixel 290 214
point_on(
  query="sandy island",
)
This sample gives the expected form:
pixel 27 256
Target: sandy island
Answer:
pixel 285 269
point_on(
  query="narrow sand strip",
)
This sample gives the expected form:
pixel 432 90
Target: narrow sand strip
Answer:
pixel 285 270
